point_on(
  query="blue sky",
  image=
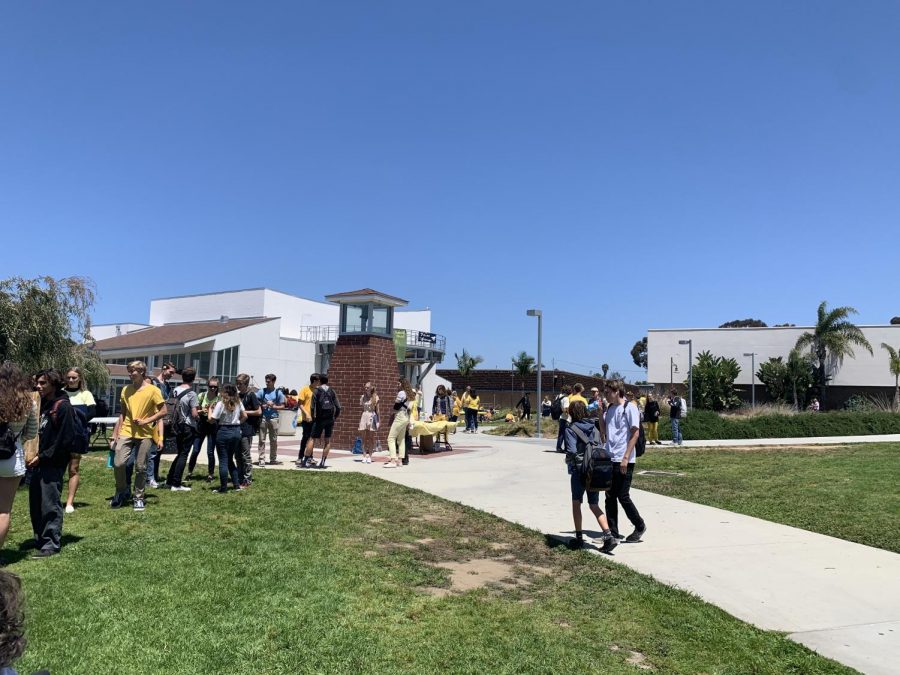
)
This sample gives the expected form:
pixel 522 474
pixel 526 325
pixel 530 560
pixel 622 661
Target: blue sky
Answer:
pixel 620 165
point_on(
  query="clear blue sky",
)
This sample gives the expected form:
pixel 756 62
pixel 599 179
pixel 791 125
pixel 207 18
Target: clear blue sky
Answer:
pixel 620 165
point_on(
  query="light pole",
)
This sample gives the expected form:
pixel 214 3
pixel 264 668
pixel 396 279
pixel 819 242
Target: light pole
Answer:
pixel 539 398
pixel 672 369
pixel 752 356
pixel 690 345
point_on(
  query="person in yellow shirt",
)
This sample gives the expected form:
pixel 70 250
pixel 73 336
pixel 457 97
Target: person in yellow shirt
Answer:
pixel 472 405
pixel 457 406
pixel 304 412
pixel 577 395
pixel 142 407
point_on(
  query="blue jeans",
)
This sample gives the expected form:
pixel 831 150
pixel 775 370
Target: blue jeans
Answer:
pixel 205 432
pixel 152 463
pixel 228 446
pixel 676 431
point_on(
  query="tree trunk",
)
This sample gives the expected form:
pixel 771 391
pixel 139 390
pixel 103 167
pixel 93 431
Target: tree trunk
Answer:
pixel 896 393
pixel 823 388
pixel 794 385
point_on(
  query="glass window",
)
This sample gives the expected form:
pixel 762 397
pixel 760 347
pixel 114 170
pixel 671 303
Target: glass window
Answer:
pixel 380 321
pixel 356 317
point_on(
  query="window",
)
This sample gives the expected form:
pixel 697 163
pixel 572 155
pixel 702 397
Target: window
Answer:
pixel 177 359
pixel 380 321
pixel 227 364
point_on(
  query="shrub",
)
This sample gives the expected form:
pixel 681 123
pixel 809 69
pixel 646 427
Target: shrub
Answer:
pixel 703 425
pixel 714 378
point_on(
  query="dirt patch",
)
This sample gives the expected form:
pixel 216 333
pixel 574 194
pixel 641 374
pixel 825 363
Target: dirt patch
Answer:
pixel 639 660
pixel 504 573
pixel 370 554
pixel 425 542
pixel 499 546
pixel 376 521
pixel 428 518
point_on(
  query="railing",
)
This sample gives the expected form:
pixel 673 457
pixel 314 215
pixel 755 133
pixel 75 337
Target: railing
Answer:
pixel 414 338
pixel 319 333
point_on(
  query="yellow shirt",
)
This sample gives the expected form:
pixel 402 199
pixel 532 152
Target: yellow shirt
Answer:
pixel 457 406
pixel 304 398
pixel 139 404
pixel 474 403
pixel 577 397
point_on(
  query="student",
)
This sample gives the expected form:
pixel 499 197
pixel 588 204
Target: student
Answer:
pixel 272 401
pixel 185 419
pixel 457 406
pixel 525 404
pixel 441 410
pixel 651 419
pixel 57 439
pixel 464 402
pixel 545 407
pixel 563 398
pixel 165 388
pixel 229 415
pixel 400 424
pixel 586 427
pixel 368 421
pixel 325 409
pixel 304 399
pixel 142 407
pixel 18 424
pixel 206 429
pixel 249 428
pixel 577 394
pixel 85 407
pixel 675 407
pixel 622 422
pixel 472 407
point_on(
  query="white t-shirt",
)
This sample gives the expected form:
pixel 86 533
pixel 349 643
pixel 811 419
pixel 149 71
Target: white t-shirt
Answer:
pixel 620 420
pixel 564 406
pixel 224 416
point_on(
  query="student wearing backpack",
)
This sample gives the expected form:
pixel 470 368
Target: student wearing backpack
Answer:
pixel 165 388
pixel 206 429
pixel 676 412
pixel 581 434
pixel 249 427
pixel 184 426
pixel 85 407
pixel 18 424
pixel 325 410
pixel 651 419
pixel 304 400
pixel 622 423
pixel 559 410
pixel 272 401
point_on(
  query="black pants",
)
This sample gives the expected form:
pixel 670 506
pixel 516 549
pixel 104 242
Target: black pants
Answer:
pixel 184 443
pixel 46 509
pixel 307 432
pixel 619 493
pixel 561 436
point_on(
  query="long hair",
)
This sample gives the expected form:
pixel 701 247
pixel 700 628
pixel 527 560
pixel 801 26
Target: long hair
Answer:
pixel 15 393
pixel 76 369
pixel 407 387
pixel 230 397
pixel 12 621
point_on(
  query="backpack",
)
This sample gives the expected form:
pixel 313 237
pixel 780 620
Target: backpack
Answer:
pixel 82 431
pixel 179 421
pixel 8 441
pixel 641 444
pixel 593 462
pixel 682 408
pixel 357 446
pixel 556 408
pixel 326 404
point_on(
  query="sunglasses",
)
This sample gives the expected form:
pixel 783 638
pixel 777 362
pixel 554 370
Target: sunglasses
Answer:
pixel 212 386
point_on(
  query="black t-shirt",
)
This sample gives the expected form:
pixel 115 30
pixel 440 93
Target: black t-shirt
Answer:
pixel 250 402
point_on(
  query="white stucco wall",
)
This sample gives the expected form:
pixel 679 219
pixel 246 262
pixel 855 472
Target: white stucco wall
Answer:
pixel 208 307
pixel 108 330
pixel 298 312
pixel 863 370
pixel 419 319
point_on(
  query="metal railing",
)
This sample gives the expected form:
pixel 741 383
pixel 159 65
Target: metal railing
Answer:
pixel 414 338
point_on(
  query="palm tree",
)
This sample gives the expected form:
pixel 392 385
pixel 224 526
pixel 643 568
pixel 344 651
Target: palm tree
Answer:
pixel 833 336
pixel 894 364
pixel 466 363
pixel 523 364
pixel 605 369
pixel 798 370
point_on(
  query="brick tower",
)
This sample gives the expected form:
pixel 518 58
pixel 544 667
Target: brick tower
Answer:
pixel 364 352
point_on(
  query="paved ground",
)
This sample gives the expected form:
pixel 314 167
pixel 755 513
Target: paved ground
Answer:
pixel 840 598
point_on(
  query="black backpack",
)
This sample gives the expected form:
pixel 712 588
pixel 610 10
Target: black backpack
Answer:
pixel 8 441
pixel 593 460
pixel 179 424
pixel 327 406
pixel 641 445
pixel 556 408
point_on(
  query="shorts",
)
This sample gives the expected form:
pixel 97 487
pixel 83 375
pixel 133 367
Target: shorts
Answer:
pixel 578 491
pixel 322 426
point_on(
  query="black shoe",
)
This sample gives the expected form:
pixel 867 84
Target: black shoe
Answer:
pixel 275 462
pixel 635 536
pixel 43 553
pixel 609 543
pixel 28 545
pixel 575 543
pixel 617 536
pixel 116 503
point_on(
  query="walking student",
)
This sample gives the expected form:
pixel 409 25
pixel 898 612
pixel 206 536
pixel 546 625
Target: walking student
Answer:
pixel 368 421
pixel 325 409
pixel 563 399
pixel 249 428
pixel 272 401
pixel 156 450
pixel 206 429
pixel 400 424
pixel 229 414
pixel 651 419
pixel 85 407
pixel 57 438
pixel 142 406
pixel 304 400
pixel 441 410
pixel 622 422
pixel 583 428
pixel 18 423
pixel 473 404
pixel 184 426
pixel 676 408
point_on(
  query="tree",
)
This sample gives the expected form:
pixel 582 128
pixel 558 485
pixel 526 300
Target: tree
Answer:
pixel 639 353
pixel 605 369
pixel 524 365
pixel 744 323
pixel 45 323
pixel 800 374
pixel 616 376
pixel 895 321
pixel 833 337
pixel 773 374
pixel 894 365
pixel 714 378
pixel 466 363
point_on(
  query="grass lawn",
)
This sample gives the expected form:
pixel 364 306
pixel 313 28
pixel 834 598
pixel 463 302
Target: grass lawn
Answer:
pixel 849 491
pixel 327 572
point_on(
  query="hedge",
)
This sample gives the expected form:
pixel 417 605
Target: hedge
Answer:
pixel 703 425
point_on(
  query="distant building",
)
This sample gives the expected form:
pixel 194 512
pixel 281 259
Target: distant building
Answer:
pixel 667 360
pixel 504 388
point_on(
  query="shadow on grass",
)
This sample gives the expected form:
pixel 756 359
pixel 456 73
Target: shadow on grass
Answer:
pixel 26 548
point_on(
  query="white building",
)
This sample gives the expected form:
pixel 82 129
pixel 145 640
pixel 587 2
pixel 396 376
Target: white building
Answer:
pixel 254 331
pixel 667 359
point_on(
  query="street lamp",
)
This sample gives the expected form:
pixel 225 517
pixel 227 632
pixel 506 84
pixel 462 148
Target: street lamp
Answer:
pixel 690 345
pixel 539 399
pixel 752 356
pixel 672 369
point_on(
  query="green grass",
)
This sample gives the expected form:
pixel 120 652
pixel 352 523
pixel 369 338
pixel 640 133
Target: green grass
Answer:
pixel 848 491
pixel 321 572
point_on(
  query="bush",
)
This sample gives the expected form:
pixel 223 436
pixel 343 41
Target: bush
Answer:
pixel 703 425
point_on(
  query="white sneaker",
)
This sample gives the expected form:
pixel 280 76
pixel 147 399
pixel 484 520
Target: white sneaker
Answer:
pixel 153 484
pixel 180 488
pixel 70 509
pixel 390 465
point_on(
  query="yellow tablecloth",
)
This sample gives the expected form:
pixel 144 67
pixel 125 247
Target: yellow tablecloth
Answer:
pixel 432 428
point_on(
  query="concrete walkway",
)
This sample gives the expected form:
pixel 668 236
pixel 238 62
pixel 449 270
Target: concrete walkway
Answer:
pixel 838 598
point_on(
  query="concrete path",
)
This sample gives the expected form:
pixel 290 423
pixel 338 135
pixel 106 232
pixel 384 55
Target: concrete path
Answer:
pixel 838 598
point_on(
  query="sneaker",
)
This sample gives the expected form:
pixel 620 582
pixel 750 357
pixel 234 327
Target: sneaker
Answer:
pixel 245 484
pixel 180 488
pixel 575 543
pixel 138 504
pixel 261 463
pixel 609 543
pixel 70 508
pixel 275 462
pixel 116 503
pixel 43 553
pixel 220 490
pixel 209 478
pixel 153 484
pixel 635 536
pixel 390 465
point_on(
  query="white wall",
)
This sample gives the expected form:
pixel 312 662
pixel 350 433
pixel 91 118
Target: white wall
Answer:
pixel 298 312
pixel 419 319
pixel 863 370
pixel 208 307
pixel 108 330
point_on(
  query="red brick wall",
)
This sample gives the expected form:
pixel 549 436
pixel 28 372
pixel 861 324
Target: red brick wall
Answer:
pixel 359 359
